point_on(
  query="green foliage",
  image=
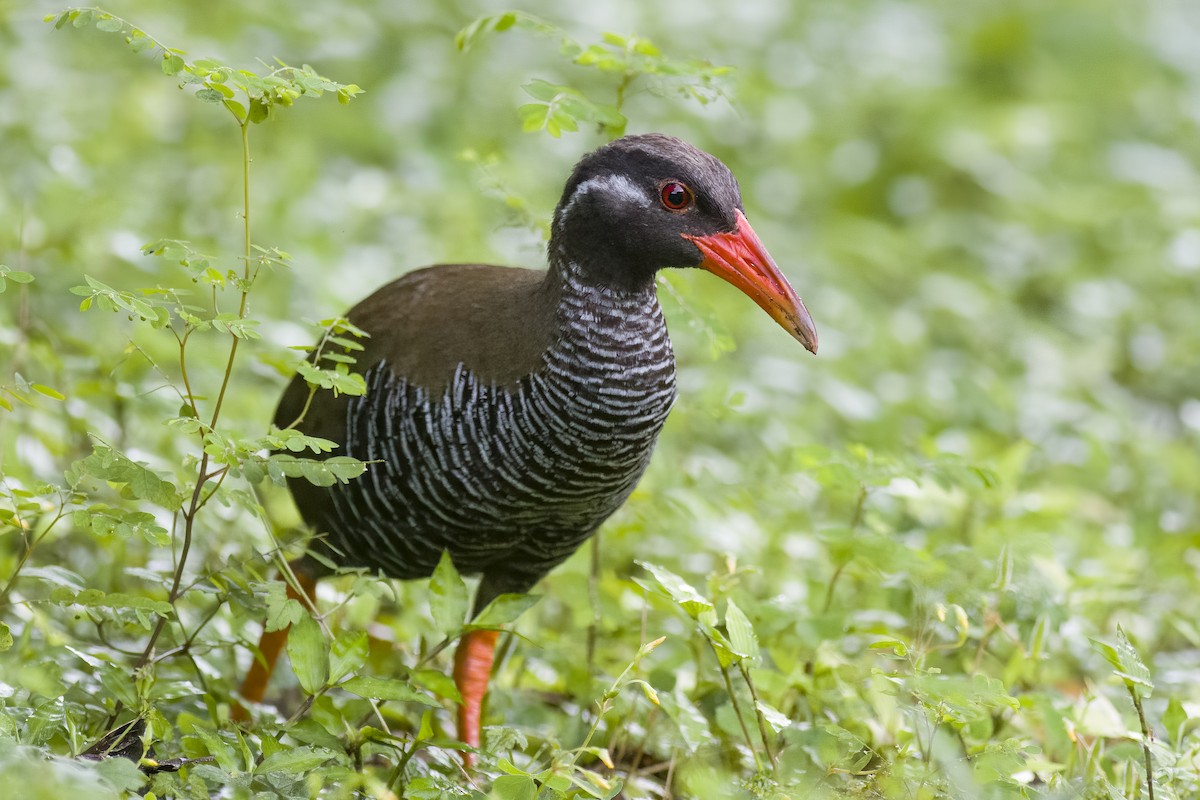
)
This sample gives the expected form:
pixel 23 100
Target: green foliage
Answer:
pixel 249 96
pixel 906 568
pixel 16 276
pixel 624 59
pixel 561 108
pixel 448 601
pixel 309 653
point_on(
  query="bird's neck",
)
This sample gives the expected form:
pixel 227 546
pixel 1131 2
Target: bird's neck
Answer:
pixel 608 379
pixel 603 269
pixel 602 304
pixel 613 333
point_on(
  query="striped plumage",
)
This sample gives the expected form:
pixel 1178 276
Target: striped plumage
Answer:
pixel 510 411
pixel 509 478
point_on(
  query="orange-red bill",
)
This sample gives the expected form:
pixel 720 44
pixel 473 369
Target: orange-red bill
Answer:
pixel 740 258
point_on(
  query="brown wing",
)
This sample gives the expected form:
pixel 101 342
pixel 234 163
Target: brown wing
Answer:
pixel 496 321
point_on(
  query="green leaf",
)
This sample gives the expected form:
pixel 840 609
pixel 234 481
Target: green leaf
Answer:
pixel 320 473
pixel 106 520
pixel 282 610
pixel 346 93
pixel 237 326
pixel 218 748
pixel 294 761
pixel 121 600
pixel 897 647
pixel 741 633
pixel 6 638
pixel 138 41
pixel 47 391
pixel 514 787
pixel 238 110
pixel 110 299
pixel 347 654
pixel 1174 718
pixel 121 774
pixel 469 36
pixel 536 117
pixel 260 109
pixel 109 25
pixel 678 590
pixel 172 64
pixel 775 718
pixel 7 274
pixel 209 95
pixel 310 731
pixel 294 441
pixel 437 682
pixel 309 653
pixel 504 609
pixel 56 576
pixel 339 378
pixel 345 468
pixel 448 599
pixel 723 650
pixel 386 689
pixel 546 91
pixel 1126 662
pixel 136 479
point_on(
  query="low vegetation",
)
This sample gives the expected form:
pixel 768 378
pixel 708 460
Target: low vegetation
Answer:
pixel 954 556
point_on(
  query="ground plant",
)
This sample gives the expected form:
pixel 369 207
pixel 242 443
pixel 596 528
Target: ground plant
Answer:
pixel 956 555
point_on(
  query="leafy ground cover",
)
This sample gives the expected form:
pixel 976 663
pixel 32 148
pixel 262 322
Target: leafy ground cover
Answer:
pixel 953 556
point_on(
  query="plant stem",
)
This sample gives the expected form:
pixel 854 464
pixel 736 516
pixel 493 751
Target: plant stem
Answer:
pixel 837 573
pixel 855 521
pixel 30 544
pixel 202 476
pixel 737 710
pixel 245 289
pixel 397 781
pixel 190 396
pixel 303 709
pixel 604 704
pixel 762 720
pixel 189 518
pixel 1137 704
pixel 594 600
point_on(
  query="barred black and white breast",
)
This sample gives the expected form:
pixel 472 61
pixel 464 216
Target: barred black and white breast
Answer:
pixel 512 476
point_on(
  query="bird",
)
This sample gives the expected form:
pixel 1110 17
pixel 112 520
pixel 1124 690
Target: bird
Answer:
pixel 510 411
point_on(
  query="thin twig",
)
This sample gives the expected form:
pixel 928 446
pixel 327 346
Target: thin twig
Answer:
pixel 762 720
pixel 837 573
pixel 197 498
pixel 1137 704
pixel 30 546
pixel 594 600
pixel 737 710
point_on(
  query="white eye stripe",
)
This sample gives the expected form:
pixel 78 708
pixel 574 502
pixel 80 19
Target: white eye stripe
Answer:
pixel 614 184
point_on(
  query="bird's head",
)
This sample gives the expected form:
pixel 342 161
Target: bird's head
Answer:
pixel 642 203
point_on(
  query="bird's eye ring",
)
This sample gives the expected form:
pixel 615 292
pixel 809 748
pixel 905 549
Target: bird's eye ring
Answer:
pixel 676 196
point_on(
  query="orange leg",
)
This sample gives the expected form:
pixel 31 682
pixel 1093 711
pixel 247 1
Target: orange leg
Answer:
pixel 270 646
pixel 472 669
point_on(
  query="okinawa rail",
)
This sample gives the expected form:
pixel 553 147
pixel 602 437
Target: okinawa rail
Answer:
pixel 510 411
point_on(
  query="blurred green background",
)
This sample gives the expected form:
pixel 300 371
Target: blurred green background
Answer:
pixel 991 209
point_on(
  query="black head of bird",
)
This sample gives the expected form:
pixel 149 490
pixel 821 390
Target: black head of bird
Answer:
pixel 643 203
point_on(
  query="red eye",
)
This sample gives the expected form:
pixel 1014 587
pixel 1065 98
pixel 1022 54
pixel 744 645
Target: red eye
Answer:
pixel 675 196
